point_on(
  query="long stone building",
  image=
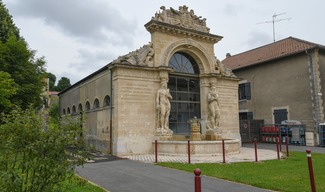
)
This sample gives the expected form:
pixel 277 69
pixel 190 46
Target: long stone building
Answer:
pixel 153 92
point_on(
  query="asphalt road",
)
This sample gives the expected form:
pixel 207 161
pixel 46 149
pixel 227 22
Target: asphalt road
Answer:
pixel 123 175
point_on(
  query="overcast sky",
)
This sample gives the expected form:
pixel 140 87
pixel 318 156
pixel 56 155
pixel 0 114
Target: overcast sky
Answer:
pixel 77 37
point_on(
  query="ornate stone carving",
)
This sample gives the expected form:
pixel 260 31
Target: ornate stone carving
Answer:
pixel 142 56
pixel 223 70
pixel 182 17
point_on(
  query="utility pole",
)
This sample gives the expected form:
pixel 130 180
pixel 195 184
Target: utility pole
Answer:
pixel 273 21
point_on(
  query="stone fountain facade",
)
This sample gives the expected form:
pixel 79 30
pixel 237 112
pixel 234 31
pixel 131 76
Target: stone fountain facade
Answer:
pixel 137 84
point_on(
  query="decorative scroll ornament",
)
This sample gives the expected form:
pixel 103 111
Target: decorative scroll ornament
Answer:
pixel 182 17
pixel 142 56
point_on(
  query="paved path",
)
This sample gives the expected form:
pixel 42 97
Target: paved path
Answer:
pixel 138 173
pixel 126 175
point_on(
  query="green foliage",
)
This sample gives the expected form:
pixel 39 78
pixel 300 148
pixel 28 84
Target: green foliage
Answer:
pixel 63 83
pixel 7 26
pixel 20 62
pixel 54 113
pixel 8 88
pixel 290 174
pixel 35 156
pixel 78 184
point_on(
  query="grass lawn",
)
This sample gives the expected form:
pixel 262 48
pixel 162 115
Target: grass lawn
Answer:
pixel 78 184
pixel 289 174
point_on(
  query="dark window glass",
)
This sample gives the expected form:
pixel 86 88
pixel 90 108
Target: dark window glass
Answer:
pixel 183 63
pixel 244 91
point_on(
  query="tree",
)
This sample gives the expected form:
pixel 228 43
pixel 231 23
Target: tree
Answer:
pixel 20 62
pixel 35 156
pixel 7 26
pixel 63 83
pixel 8 88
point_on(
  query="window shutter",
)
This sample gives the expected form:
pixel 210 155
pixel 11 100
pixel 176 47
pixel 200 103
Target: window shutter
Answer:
pixel 248 90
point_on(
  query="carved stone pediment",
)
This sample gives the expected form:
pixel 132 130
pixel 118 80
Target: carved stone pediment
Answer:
pixel 182 17
pixel 142 56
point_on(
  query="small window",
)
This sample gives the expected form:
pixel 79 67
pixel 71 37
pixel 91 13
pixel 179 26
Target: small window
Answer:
pixel 96 104
pixel 63 111
pixel 87 106
pixel 80 107
pixel 68 110
pixel 73 109
pixel 107 101
pixel 244 91
pixel 246 116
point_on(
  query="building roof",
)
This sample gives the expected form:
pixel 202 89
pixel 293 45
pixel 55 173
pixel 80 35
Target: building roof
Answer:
pixel 276 50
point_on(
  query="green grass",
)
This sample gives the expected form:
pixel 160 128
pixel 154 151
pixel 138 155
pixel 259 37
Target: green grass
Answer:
pixel 77 184
pixel 289 174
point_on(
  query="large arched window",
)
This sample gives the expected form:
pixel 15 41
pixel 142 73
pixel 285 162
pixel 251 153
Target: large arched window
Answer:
pixel 183 63
pixel 184 86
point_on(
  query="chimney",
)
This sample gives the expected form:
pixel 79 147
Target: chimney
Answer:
pixel 228 55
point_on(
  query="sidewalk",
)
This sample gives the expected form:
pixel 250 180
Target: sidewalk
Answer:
pixel 246 155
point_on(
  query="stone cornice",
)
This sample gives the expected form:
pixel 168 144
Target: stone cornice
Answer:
pixel 157 26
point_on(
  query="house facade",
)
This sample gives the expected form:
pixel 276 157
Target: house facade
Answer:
pixel 153 92
pixel 280 81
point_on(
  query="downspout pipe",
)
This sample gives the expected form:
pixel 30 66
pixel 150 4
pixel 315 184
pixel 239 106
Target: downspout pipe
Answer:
pixel 111 113
pixel 312 74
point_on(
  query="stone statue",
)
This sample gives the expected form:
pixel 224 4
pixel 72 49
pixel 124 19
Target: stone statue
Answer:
pixel 142 56
pixel 163 106
pixel 223 70
pixel 213 106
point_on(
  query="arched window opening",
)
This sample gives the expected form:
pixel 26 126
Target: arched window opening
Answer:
pixel 87 106
pixel 73 109
pixel 63 111
pixel 68 110
pixel 107 101
pixel 96 104
pixel 183 63
pixel 80 108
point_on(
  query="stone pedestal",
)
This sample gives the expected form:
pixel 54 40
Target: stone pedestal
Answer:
pixel 213 134
pixel 195 130
pixel 164 134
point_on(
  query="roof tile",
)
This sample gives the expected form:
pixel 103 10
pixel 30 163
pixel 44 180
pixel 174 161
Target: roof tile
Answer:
pixel 269 52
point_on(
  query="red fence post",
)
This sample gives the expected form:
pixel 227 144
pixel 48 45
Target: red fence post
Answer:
pixel 156 151
pixel 189 151
pixel 197 180
pixel 223 152
pixel 255 147
pixel 287 146
pixel 311 171
pixel 277 147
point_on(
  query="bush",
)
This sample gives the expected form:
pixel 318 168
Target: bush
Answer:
pixel 35 156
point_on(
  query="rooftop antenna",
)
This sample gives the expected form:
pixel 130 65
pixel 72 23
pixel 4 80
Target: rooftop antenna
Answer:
pixel 273 21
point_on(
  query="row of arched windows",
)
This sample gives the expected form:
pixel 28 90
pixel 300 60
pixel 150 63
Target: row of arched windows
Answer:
pixel 96 105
